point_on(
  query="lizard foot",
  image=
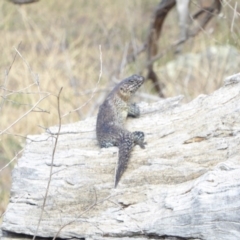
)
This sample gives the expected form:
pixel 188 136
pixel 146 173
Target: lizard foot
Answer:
pixel 139 139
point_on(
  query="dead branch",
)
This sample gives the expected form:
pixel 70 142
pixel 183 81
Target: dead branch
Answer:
pixel 155 30
pixel 154 33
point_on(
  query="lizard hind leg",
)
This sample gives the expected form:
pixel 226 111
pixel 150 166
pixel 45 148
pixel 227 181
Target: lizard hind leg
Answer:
pixel 125 147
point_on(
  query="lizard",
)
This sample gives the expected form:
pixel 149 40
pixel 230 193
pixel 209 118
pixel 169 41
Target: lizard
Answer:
pixel 111 118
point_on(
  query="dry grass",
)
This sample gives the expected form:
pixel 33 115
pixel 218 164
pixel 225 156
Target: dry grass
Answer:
pixel 59 46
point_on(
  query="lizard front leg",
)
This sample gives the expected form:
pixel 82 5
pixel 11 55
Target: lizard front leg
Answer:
pixel 133 110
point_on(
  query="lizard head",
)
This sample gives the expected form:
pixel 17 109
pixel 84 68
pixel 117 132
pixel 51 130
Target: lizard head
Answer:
pixel 130 85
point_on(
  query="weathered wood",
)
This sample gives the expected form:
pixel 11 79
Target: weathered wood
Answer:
pixel 186 183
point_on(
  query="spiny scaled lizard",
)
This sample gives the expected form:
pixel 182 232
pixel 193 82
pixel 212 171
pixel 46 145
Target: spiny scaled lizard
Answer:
pixel 111 118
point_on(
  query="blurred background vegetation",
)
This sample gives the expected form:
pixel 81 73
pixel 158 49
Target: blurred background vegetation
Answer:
pixel 52 44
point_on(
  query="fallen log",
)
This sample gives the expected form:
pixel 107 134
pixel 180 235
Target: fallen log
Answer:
pixel 184 185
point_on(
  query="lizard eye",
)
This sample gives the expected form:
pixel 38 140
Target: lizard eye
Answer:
pixel 122 89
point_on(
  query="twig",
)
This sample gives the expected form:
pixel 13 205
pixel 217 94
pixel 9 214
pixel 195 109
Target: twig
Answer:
pixel 12 160
pixel 34 75
pixel 25 114
pixel 27 138
pixel 21 91
pixel 51 168
pixel 25 104
pixel 234 16
pixel 230 6
pixel 10 67
pixel 124 59
pixel 100 75
pixel 133 56
pixel 6 77
pixel 87 210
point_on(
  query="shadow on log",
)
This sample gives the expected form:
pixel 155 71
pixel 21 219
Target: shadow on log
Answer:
pixel 184 185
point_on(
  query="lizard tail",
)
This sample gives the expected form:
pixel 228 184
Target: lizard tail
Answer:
pixel 125 147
